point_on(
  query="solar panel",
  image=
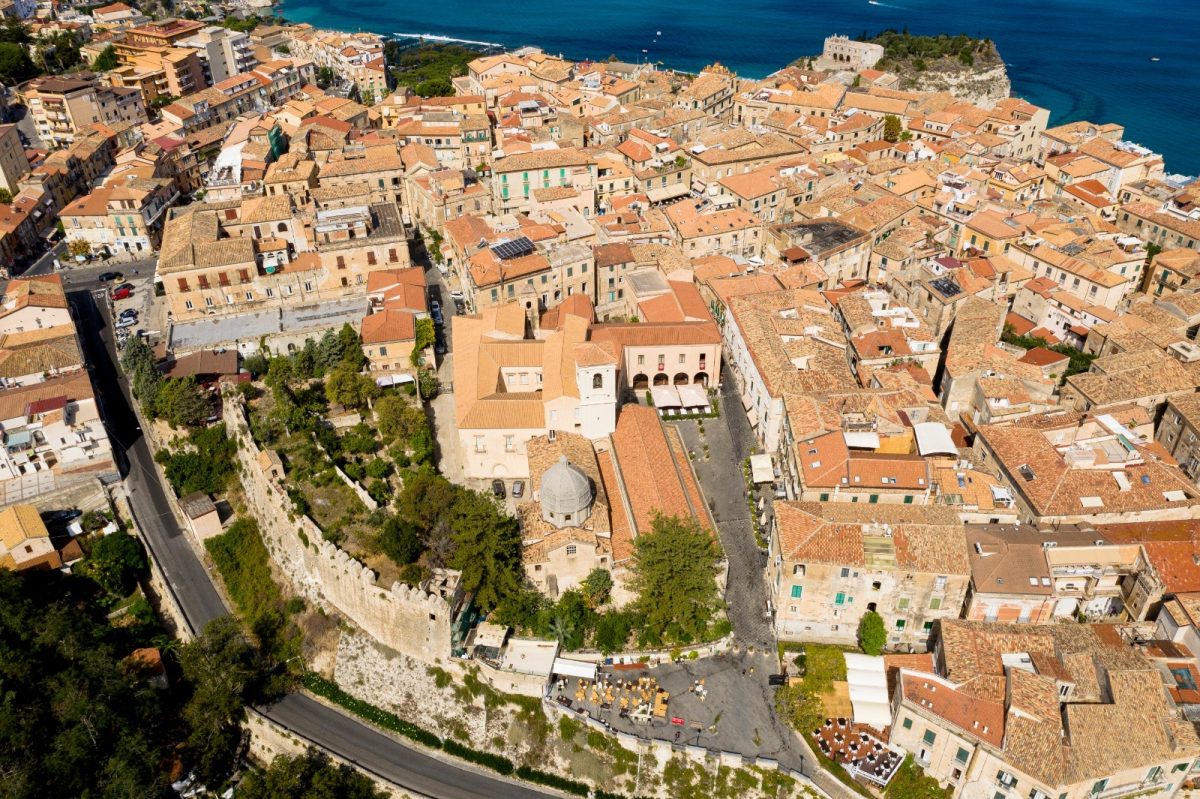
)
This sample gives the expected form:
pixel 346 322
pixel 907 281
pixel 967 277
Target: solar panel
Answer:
pixel 946 287
pixel 517 248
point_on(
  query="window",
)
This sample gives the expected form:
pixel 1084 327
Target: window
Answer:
pixel 798 570
pixel 1154 774
pixel 383 352
pixel 571 549
pixel 929 737
pixel 249 296
pixel 1099 786
pixel 961 755
pixel 641 360
pixel 845 572
pixel 927 626
pixel 935 603
pixel 479 445
pixel 939 583
pixel 371 257
pixel 308 285
pixel 598 381
pixel 797 591
pixel 509 444
pixel 907 724
pixel 682 359
pixel 341 262
pixel 840 599
pixel 900 624
pixel 1006 779
pixel 188 304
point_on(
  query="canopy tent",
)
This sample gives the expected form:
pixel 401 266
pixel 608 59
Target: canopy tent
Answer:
pixel 692 396
pixel 867 680
pixel 665 396
pixel 761 469
pixel 934 439
pixel 565 667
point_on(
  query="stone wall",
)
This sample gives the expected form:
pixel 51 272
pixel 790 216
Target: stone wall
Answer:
pixel 406 619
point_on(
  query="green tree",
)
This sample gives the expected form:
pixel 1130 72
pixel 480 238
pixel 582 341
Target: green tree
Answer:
pixel 596 587
pixel 400 540
pixel 612 631
pixel 325 77
pixel 223 669
pixel 115 562
pixel 6 197
pixel 571 620
pixel 425 336
pixel 397 418
pixel 106 60
pixel 674 576
pixel 427 498
pixel 15 64
pixel 891 128
pixel 872 635
pixel 434 87
pixel 309 776
pixel 182 402
pixel 14 31
pixel 487 548
pixel 352 354
pixel 344 386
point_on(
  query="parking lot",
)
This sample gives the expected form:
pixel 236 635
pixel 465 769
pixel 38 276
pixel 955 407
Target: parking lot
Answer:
pixel 150 316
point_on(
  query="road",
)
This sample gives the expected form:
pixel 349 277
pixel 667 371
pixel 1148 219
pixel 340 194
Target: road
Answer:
pixel 188 579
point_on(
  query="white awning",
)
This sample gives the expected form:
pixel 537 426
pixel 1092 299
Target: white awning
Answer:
pixel 664 396
pixel 861 440
pixel 692 396
pixel 394 379
pixel 660 194
pixel 867 681
pixel 934 439
pixel 752 416
pixel 566 667
pixel 761 469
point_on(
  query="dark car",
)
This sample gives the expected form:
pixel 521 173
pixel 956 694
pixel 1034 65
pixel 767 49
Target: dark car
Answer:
pixel 122 293
pixel 120 286
pixel 498 488
pixel 460 307
pixel 518 489
pixel 106 277
pixel 55 517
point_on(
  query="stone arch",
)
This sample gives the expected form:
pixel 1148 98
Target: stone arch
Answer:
pixel 661 379
pixel 701 379
pixel 681 379
pixel 640 382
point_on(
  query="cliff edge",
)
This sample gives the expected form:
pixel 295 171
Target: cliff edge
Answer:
pixel 968 68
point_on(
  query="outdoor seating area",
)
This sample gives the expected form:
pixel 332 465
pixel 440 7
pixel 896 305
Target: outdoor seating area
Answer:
pixel 858 750
pixel 639 699
pixel 680 400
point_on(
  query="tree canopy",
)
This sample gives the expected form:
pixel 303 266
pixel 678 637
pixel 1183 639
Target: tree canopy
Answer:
pixel 674 575
pixel 872 635
pixel 309 776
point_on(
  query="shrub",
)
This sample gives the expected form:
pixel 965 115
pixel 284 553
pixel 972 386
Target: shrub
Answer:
pixel 552 781
pixel 497 763
pixel 872 635
pixel 382 718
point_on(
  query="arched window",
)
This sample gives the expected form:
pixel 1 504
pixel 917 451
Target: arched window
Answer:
pixel 282 228
pixel 597 381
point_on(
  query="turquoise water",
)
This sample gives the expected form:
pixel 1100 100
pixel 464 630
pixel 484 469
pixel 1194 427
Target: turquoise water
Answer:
pixel 1083 60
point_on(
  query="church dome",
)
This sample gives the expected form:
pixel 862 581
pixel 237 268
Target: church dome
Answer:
pixel 565 494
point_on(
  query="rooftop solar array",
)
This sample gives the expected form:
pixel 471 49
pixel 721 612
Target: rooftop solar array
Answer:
pixel 517 248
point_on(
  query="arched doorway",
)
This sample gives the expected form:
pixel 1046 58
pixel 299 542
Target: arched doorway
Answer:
pixel 640 382
pixel 661 379
pixel 681 379
pixel 701 379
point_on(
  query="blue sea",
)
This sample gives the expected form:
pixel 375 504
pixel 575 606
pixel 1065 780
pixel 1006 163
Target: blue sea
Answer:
pixel 1082 59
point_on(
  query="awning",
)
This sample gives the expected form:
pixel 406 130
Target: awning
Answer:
pixel 752 416
pixel 934 439
pixel 692 396
pixel 761 469
pixel 566 667
pixel 660 194
pixel 665 396
pixel 861 439
pixel 867 681
pixel 394 379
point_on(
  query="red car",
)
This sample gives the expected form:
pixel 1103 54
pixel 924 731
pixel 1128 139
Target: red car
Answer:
pixel 122 293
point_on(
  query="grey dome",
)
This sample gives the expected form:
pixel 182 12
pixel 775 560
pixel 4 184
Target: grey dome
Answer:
pixel 566 494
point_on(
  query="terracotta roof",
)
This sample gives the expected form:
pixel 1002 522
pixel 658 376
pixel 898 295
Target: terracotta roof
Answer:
pixel 387 326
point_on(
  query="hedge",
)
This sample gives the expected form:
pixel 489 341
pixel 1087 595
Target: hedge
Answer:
pixel 389 721
pixel 497 763
pixel 552 781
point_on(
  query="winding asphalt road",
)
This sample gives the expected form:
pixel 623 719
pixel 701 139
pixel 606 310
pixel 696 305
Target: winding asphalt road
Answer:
pixel 188 580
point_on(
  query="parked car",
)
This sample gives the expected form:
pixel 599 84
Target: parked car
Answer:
pixel 122 293
pixel 460 307
pixel 120 286
pixel 457 294
pixel 60 516
pixel 518 489
pixel 435 310
pixel 498 488
pixel 106 277
pixel 125 322
pixel 129 313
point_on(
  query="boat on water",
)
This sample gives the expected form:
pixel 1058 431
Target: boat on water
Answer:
pixel 1155 58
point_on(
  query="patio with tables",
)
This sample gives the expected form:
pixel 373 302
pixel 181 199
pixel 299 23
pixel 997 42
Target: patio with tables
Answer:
pixel 680 400
pixel 858 749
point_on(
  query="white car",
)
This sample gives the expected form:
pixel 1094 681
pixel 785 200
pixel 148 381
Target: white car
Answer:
pixel 126 321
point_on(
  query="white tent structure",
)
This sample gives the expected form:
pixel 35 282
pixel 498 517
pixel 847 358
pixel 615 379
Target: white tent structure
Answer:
pixel 565 667
pixel 867 681
pixel 665 396
pixel 934 439
pixel 761 468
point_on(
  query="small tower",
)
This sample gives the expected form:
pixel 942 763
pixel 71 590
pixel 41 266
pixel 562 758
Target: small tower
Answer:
pixel 596 378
